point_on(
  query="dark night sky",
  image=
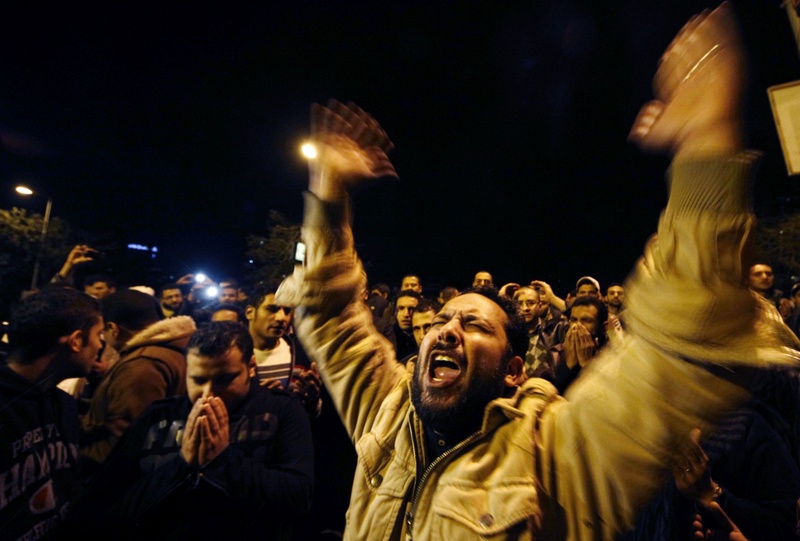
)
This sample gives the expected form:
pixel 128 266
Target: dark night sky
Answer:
pixel 179 126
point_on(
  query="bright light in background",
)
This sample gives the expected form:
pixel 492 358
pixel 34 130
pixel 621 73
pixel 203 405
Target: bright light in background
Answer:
pixel 24 190
pixel 309 151
pixel 200 277
pixel 211 292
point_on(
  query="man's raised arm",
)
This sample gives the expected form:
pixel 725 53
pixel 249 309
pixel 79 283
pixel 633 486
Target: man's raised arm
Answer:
pixel 607 450
pixel 699 255
pixel 335 327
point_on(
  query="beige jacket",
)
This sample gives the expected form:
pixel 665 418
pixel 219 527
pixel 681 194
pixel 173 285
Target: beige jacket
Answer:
pixel 543 467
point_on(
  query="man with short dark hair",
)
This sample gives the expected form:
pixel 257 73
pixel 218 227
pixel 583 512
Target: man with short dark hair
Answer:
pixel 172 300
pixel 483 279
pixel 446 294
pixel 54 334
pixel 228 291
pixel 280 361
pixel 538 358
pixel 99 286
pixel 411 281
pixel 269 326
pixel 404 307
pixel 422 319
pixel 615 298
pixel 381 290
pixel 460 447
pixel 228 312
pixel 585 336
pixel 230 459
pixel 762 281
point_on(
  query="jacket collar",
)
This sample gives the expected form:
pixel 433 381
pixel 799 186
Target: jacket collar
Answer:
pixel 166 330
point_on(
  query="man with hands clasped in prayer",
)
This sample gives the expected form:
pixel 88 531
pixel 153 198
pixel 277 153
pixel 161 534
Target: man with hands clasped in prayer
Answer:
pixel 230 460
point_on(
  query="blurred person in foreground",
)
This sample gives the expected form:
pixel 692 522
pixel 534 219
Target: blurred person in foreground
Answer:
pixel 54 334
pixel 451 446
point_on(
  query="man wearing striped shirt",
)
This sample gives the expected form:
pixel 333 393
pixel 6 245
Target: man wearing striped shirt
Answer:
pixel 274 350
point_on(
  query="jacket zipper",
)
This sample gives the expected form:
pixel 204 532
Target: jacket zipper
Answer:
pixel 422 480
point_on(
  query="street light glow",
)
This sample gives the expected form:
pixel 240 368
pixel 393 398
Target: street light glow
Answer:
pixel 309 151
pixel 24 190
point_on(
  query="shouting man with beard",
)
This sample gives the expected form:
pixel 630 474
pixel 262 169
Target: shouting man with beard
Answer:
pixel 457 445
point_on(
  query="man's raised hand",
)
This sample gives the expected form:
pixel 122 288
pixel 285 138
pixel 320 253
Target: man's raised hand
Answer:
pixel 351 147
pixel 697 89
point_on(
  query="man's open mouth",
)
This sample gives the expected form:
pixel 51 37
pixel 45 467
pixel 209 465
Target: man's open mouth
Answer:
pixel 444 370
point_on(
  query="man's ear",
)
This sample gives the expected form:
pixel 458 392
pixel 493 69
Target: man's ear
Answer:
pixel 251 366
pixel 75 340
pixel 249 312
pixel 112 330
pixel 514 373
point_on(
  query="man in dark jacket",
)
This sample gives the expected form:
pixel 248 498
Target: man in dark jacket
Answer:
pixel 54 334
pixel 231 460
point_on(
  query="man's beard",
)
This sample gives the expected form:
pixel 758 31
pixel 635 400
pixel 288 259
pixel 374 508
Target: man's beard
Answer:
pixel 466 411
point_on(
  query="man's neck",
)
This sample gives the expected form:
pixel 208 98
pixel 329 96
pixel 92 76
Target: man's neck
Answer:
pixel 404 331
pixel 438 443
pixel 267 344
pixel 41 370
pixel 763 292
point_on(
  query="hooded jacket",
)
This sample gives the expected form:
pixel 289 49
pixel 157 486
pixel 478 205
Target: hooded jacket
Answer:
pixel 152 366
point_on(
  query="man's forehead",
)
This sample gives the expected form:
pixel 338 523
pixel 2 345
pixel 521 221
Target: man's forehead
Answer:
pixel 427 314
pixel 476 304
pixel 407 301
pixel 527 293
pixel 268 299
pixel 584 310
pixel 197 361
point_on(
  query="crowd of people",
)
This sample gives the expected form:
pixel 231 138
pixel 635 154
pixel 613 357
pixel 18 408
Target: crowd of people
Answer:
pixel 664 406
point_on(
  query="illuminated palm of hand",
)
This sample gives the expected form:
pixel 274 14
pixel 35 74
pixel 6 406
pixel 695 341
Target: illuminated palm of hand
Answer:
pixel 342 157
pixel 351 146
pixel 698 83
